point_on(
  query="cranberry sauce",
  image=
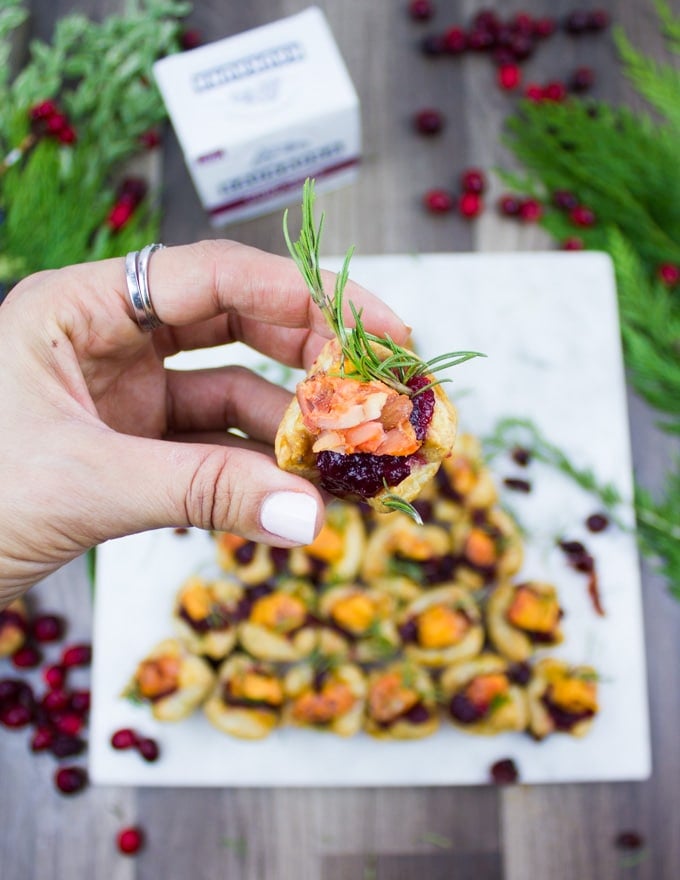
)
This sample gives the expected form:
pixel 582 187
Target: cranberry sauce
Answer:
pixel 244 554
pixel 464 711
pixel 363 474
pixel 418 714
pixel 563 719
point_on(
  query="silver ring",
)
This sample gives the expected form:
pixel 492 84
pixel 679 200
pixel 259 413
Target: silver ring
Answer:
pixel 137 278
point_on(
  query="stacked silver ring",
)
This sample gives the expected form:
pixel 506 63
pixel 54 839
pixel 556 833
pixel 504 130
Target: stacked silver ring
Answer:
pixel 137 277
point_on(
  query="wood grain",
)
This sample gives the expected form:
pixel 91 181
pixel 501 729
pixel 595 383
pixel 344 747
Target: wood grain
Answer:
pixel 561 832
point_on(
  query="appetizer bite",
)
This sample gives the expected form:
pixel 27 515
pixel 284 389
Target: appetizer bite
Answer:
pixel 326 696
pixel 482 697
pixel 13 627
pixel 369 422
pixel 363 618
pixel 171 680
pixel 401 703
pixel 442 626
pixel 400 547
pixel 251 563
pixel 247 700
pixel 206 615
pixel 335 554
pixel 487 547
pixel 279 625
pixel 463 481
pixel 562 698
pixel 521 618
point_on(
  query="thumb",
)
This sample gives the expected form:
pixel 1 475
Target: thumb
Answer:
pixel 231 489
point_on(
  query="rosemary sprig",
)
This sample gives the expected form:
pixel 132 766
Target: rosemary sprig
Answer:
pixel 396 502
pixel 395 369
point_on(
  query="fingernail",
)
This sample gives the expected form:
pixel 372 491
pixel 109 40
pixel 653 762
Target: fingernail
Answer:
pixel 290 515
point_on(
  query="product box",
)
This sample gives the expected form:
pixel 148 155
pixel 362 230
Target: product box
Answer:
pixel 259 112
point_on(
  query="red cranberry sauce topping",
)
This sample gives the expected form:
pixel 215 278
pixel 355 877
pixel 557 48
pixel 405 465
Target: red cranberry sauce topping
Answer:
pixel 504 772
pixel 562 719
pixel 464 711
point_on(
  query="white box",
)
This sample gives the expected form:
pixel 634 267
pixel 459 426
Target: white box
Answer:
pixel 259 112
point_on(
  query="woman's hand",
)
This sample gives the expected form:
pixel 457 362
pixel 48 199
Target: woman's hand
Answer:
pixel 98 439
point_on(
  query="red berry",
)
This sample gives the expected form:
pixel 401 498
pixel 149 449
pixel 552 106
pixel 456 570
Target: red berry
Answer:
pixel 428 121
pixel 55 701
pixel 486 20
pixel 597 522
pixel 509 77
pixel 48 628
pixel 455 41
pixel 669 274
pixel 42 739
pixel 56 123
pixel 9 689
pixel 629 840
pixel 564 200
pixel 130 840
pixel 598 20
pixel 504 772
pixel 190 39
pixel 509 206
pixel 67 135
pixel 421 10
pixel 480 41
pixel 77 655
pixel 581 80
pixel 522 23
pixel 148 749
pixel 438 201
pixel 534 92
pixel 470 205
pixel 80 702
pixel 577 22
pixel 530 211
pixel 54 676
pixel 119 215
pixel 67 746
pixel 472 181
pixel 522 46
pixel 555 91
pixel 582 216
pixel 544 27
pixel 573 243
pixel 15 716
pixel 70 780
pixel 125 738
pixel 27 657
pixel 150 139
pixel 43 110
pixel 132 189
pixel 68 723
pixel 503 56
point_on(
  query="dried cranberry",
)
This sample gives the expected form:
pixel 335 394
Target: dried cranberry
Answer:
pixel 598 20
pixel 509 206
pixel 130 840
pixel 125 738
pixel 15 715
pixel 77 655
pixel 56 122
pixel 517 485
pixel 455 41
pixel 180 531
pixel 70 780
pixel 573 243
pixel 629 840
pixel 522 23
pixel 503 56
pixel 190 38
pixel 11 618
pixel 64 745
pixel 470 205
pixel 48 628
pixel 421 10
pixel 581 80
pixel 472 181
pixel 521 456
pixel 597 522
pixel 438 201
pixel 428 121
pixel 572 548
pixel 149 750
pixel 504 772
pixel 577 22
pixel 54 676
pixel 150 139
pixel 27 657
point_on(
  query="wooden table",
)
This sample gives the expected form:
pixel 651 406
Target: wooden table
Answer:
pixel 558 832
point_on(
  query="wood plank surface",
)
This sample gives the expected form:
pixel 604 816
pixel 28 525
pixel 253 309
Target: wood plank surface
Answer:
pixel 557 832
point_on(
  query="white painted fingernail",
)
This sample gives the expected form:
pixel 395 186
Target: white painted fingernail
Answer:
pixel 290 515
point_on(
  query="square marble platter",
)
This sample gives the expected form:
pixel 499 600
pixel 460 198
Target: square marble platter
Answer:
pixel 548 323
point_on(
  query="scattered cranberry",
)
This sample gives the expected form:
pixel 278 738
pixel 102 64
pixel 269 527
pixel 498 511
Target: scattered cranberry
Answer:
pixel 597 522
pixel 54 677
pixel 421 10
pixel 522 23
pixel 27 657
pixel 119 216
pixel 598 20
pixel 80 702
pixel 70 780
pixel 180 530
pixel 67 746
pixel 55 701
pixel 521 456
pixel 577 22
pixel 504 772
pixel 480 40
pixel 522 47
pixel 629 840
pixel 428 121
pixel 544 27
pixel 533 92
pixel 455 41
pixel 555 91
pixel 470 205
pixel 472 181
pixel 438 201
pixel 150 139
pixel 43 110
pixel 564 200
pixel 509 77
pixel 130 840
pixel 48 628
pixel 67 135
pixel 56 122
pixel 190 39
pixel 433 45
pixel 15 716
pixel 530 211
pixel 69 723
pixel 581 80
pixel 669 274
pixel 77 655
pixel 42 739
pixel 509 206
pixel 125 738
pixel 573 243
pixel 9 689
pixel 148 749
pixel 503 56
pixel 486 20
pixel 517 485
pixel 582 216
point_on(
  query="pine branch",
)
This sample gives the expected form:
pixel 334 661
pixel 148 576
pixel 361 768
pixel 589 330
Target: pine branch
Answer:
pixel 658 83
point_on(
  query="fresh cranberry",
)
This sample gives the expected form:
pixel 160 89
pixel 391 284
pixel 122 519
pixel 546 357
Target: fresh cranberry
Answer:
pixel 433 45
pixel 480 41
pixel 504 772
pixel 486 20
pixel 509 77
pixel 54 676
pixel 149 750
pixel 68 723
pixel 564 200
pixel 190 38
pixel 544 27
pixel 133 190
pixel 577 22
pixel 56 122
pixel 9 689
pixel 15 716
pixel 597 522
pixel 509 205
pixel 80 702
pixel 65 745
pixel 77 655
pixel 150 139
pixel 581 80
pixel 428 121
pixel 522 23
pixel 582 216
pixel 669 274
pixel 421 10
pixel 455 41
pixel 27 657
pixel 119 215
pixel 530 211
pixel 629 840
pixel 470 205
pixel 573 243
pixel 42 739
pixel 70 780
pixel 67 135
pixel 48 628
pixel 130 840
pixel 503 56
pixel 598 20
pixel 43 110
pixel 55 701
pixel 125 738
pixel 534 92
pixel 555 91
pixel 438 201
pixel 472 181
pixel 522 46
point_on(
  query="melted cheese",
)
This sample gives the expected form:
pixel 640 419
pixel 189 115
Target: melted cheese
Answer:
pixel 355 612
pixel 440 627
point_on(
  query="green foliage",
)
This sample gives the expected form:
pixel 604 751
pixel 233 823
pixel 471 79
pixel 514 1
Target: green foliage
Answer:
pixel 625 167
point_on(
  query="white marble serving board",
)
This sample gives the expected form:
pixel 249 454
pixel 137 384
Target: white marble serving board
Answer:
pixel 549 325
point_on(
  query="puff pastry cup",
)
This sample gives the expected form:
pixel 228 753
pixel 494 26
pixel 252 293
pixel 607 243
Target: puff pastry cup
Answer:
pixel 487 546
pixel 463 482
pixel 522 618
pixel 247 700
pixel 13 627
pixel 329 698
pixel 297 445
pixel 363 618
pixel 336 553
pixel 401 703
pixel 482 698
pixel 171 680
pixel 206 615
pixel 442 626
pixel 399 546
pixel 249 562
pixel 562 698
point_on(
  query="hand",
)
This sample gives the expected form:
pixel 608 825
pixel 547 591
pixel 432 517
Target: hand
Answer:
pixel 98 439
